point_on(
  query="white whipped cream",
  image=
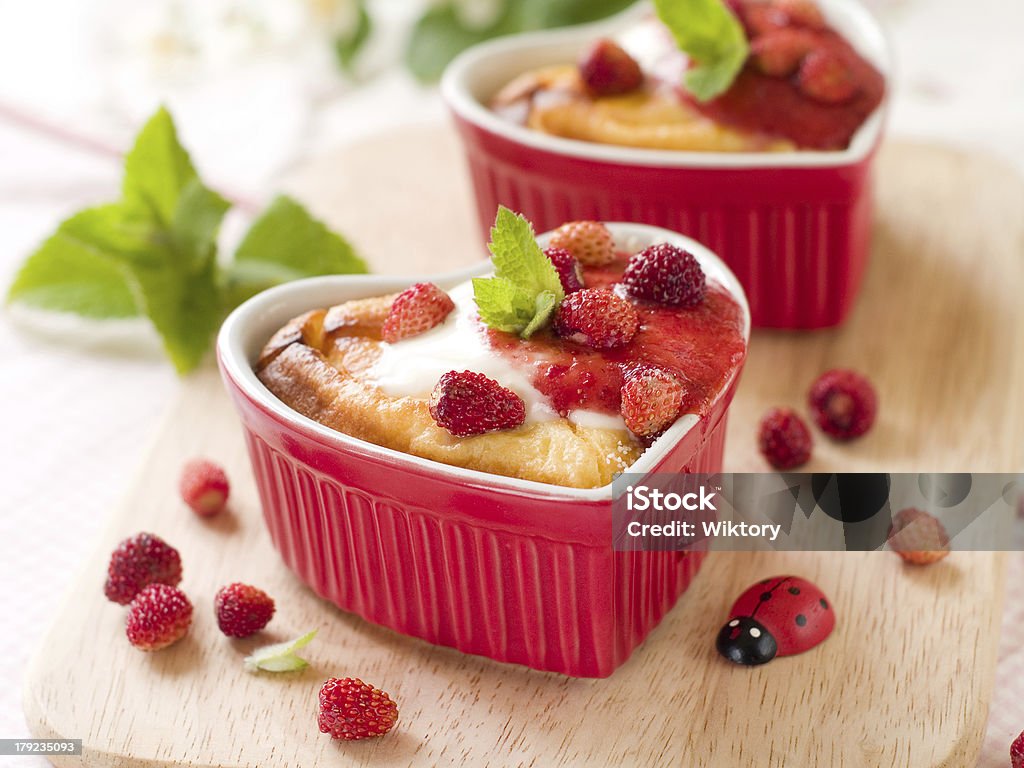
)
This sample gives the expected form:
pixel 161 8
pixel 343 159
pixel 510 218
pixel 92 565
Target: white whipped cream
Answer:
pixel 413 366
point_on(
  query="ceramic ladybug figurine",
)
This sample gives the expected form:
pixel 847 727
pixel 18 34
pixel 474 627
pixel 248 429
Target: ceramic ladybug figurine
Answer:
pixel 780 616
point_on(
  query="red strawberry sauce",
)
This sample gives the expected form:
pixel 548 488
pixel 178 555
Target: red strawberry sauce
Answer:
pixel 776 105
pixel 702 345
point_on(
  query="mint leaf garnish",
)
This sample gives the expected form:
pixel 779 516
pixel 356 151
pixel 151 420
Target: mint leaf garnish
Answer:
pixel 544 306
pixel 712 36
pixel 525 289
pixel 154 251
pixel 502 304
pixel 280 657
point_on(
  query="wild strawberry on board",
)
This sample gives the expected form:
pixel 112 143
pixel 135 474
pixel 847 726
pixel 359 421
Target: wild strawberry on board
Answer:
pixel 242 610
pixel 159 616
pixel 784 439
pixel 918 537
pixel 204 487
pixel 137 562
pixel 351 710
pixel 844 403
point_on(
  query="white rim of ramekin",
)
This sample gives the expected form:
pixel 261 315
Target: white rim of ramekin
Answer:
pixel 247 329
pixel 498 61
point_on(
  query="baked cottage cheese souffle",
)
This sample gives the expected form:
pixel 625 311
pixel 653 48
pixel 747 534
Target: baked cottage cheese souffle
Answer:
pixel 799 85
pixel 562 367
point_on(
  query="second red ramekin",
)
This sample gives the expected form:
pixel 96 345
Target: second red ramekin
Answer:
pixel 795 227
pixel 514 570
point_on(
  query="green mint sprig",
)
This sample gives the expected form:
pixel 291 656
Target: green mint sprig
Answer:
pixel 153 253
pixel 525 289
pixel 712 36
pixel 280 657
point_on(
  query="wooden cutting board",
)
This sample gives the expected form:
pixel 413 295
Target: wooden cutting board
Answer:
pixel 905 679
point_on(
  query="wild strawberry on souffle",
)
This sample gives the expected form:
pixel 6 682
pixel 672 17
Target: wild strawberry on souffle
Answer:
pixel 646 340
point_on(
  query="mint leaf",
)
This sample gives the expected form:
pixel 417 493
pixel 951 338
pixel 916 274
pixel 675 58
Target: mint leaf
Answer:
pixel 348 45
pixel 712 36
pixel 439 36
pixel 77 270
pixel 294 244
pixel 156 171
pixel 502 304
pixel 525 288
pixel 545 305
pixel 196 222
pixel 518 258
pixel 154 252
pixel 280 657
pixel 184 306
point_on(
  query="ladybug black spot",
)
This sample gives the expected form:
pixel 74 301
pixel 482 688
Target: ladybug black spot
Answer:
pixel 800 620
pixel 824 603
pixel 765 596
pixel 794 590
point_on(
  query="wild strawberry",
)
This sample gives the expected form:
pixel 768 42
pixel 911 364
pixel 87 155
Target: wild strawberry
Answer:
pixel 137 562
pixel 590 242
pixel 779 53
pixel 1017 752
pixel 918 537
pixel 204 487
pixel 596 317
pixel 569 272
pixel 784 439
pixel 159 616
pixel 350 710
pixel 759 18
pixel 242 610
pixel 467 403
pixel 606 69
pixel 826 77
pixel 800 13
pixel 651 400
pixel 415 310
pixel 844 403
pixel 667 274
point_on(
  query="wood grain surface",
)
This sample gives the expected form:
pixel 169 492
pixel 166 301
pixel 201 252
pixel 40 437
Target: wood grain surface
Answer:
pixel 904 680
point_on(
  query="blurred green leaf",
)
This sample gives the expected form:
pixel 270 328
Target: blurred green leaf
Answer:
pixel 348 45
pixel 77 269
pixel 154 252
pixel 156 171
pixel 712 36
pixel 442 33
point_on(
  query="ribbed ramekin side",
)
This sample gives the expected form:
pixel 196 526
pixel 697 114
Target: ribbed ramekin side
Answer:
pixel 516 598
pixel 797 238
